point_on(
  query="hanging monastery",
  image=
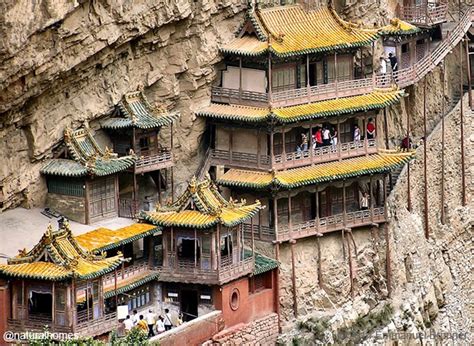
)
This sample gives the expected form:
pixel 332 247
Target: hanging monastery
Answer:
pixel 224 252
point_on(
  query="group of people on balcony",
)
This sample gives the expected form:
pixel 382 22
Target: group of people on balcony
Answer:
pixel 151 322
pixel 327 135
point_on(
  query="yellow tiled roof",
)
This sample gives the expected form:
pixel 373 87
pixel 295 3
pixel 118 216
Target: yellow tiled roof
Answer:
pixel 399 27
pixel 201 206
pixel 376 163
pixel 374 100
pixel 102 239
pixel 58 256
pixel 293 30
pixel 246 45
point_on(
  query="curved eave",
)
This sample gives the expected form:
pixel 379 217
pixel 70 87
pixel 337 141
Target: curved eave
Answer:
pixel 163 223
pixel 233 117
pixel 112 266
pixel 113 166
pixel 131 286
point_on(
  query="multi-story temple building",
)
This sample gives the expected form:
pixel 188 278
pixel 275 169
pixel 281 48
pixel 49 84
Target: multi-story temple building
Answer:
pixel 294 122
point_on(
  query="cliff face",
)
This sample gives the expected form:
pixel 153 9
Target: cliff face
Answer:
pixel 62 62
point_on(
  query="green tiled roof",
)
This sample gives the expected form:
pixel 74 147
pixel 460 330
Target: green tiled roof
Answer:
pixel 137 112
pixel 132 285
pixel 87 157
pixel 263 264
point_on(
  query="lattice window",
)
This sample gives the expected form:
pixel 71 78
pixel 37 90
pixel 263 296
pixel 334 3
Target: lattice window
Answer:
pixel 68 187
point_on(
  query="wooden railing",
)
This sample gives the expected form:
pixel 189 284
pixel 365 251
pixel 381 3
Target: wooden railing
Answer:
pixel 127 208
pixel 220 157
pixel 33 324
pixel 331 223
pixel 401 78
pixel 325 154
pixel 426 14
pixel 125 274
pixel 187 271
pixel 153 162
pixel 260 232
pixel 97 326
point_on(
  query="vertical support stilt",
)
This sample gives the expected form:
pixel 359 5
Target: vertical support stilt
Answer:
pixel 408 165
pixel 385 124
pixel 388 261
pixel 293 278
pixel 463 168
pixel 277 286
pixel 443 110
pixel 469 73
pixel 351 269
pixel 320 270
pixel 172 170
pixel 425 164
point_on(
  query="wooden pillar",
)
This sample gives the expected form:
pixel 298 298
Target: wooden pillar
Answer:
pixel 283 152
pixel 310 142
pixel 388 261
pixel 275 215
pixel 293 279
pixel 364 125
pixel 385 196
pixel 195 248
pixel 135 188
pixel 277 286
pixel 240 78
pixel 371 186
pixel 272 155
pixel 122 249
pixel 289 213
pixel 385 125
pixel 320 270
pixel 258 148
pixel 53 305
pixel 173 249
pixel 463 168
pixel 468 63
pixel 443 111
pixel 253 237
pixel 159 186
pixel 408 165
pixel 335 74
pixel 425 168
pixel 339 139
pixel 269 78
pixel 351 268
pixel 87 299
pixel 308 87
pixel 172 169
pixel 373 63
pixel 231 143
pixel 260 224
pixel 344 211
pixel 218 235
pixel 115 287
pixel 86 202
pixel 316 204
pixel 73 305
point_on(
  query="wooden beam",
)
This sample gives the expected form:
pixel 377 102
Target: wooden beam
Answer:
pixel 275 215
pixel 335 73
pixel 308 87
pixel 320 270
pixel 258 148
pixel 115 288
pixel 172 169
pixel 443 111
pixel 195 248
pixel 344 210
pixel 388 261
pixel 408 165
pixel 351 269
pixel 425 165
pixel 469 72
pixel 385 124
pixel 463 168
pixel 218 235
pixel 293 279
pixel 269 78
pixel 277 286
pixel 272 154
pixel 53 305
pixel 253 238
pixel 371 196
pixel 240 77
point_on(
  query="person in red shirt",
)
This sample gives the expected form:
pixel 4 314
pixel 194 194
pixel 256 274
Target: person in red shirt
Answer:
pixel 318 138
pixel 370 129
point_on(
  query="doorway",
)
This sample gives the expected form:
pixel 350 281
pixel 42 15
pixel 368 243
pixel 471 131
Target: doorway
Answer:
pixel 189 304
pixel 41 305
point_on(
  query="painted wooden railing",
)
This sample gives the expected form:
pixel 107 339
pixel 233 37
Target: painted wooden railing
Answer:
pixel 424 14
pixel 153 162
pixel 189 271
pixel 260 232
pixel 97 326
pixel 331 223
pixel 402 78
pixel 240 159
pixel 125 274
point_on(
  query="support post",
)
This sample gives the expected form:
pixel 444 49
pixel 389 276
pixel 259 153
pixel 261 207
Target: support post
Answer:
pixel 231 143
pixel 443 110
pixel 339 144
pixel 159 186
pixel 240 78
pixel 308 87
pixel 135 189
pixel 351 268
pixel 335 74
pixel 408 165
pixel 289 214
pixel 269 79
pixel 388 261
pixel 293 278
pixel 283 149
pixel 385 125
pixel 277 286
pixel 115 288
pixel 344 211
pixel 253 237
pixel 272 154
pixel 172 170
pixel 468 63
pixel 463 168
pixel 320 271
pixel 258 148
pixel 218 243
pixel 275 216
pixel 53 305
pixel 195 248
pixel 316 204
pixel 425 163
pixel 371 199
pixel 310 143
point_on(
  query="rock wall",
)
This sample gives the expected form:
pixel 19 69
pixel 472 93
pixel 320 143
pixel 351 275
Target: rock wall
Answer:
pixel 62 62
pixel 263 331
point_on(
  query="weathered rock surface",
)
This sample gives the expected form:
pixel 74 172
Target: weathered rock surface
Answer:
pixel 62 62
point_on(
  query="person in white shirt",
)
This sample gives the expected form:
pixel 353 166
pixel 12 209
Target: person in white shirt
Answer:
pixel 168 323
pixel 150 320
pixel 128 324
pixel 356 134
pixel 135 317
pixel 160 325
pixel 383 65
pixel 326 136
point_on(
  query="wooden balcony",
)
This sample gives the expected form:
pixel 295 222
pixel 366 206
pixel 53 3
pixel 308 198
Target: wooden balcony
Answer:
pixel 97 326
pixel 153 162
pixel 36 324
pixel 424 15
pixel 260 232
pixel 187 272
pixel 294 159
pixel 324 154
pixel 332 223
pixel 126 275
pixel 127 208
pixel 234 96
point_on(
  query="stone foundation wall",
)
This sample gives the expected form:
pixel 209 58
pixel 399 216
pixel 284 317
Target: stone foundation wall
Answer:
pixel 70 206
pixel 263 331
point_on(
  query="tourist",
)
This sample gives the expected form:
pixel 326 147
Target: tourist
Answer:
pixel 370 129
pixel 135 317
pixel 304 144
pixel 383 70
pixel 179 321
pixel 326 136
pixel 356 133
pixel 168 323
pixel 150 320
pixel 160 325
pixel 318 138
pixel 406 144
pixel 128 324
pixel 364 201
pixel 334 135
pixel 142 325
pixel 393 62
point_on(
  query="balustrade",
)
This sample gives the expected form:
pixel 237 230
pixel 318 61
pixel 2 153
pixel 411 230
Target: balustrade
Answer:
pixel 153 162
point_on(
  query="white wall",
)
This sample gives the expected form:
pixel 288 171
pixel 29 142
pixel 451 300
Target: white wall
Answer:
pixel 252 79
